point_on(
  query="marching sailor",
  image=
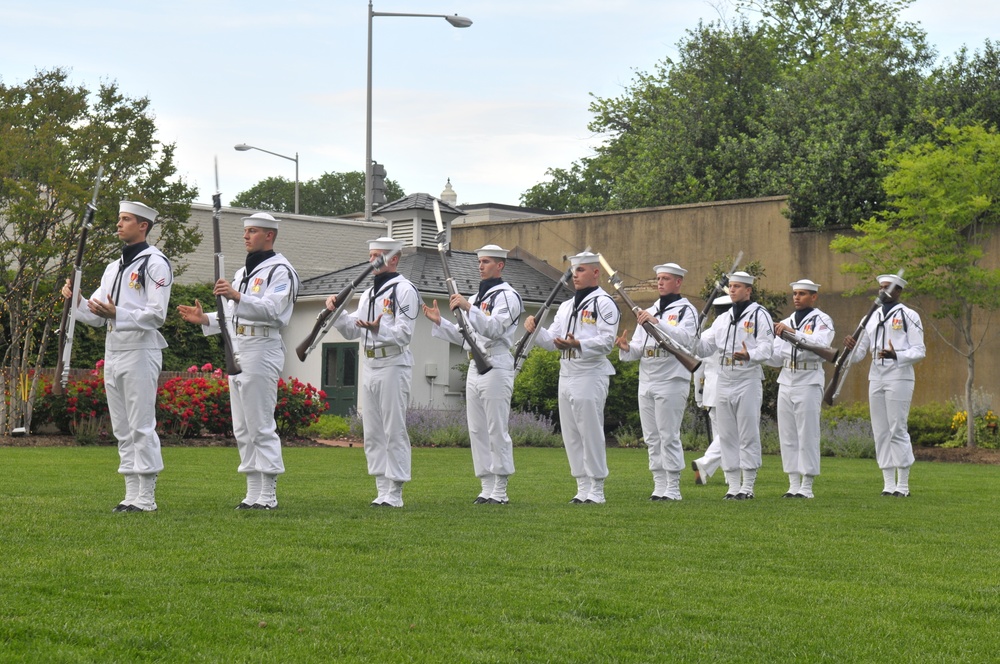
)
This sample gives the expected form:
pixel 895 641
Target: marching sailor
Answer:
pixel 492 313
pixel 385 317
pixel 259 304
pixel 706 397
pixel 895 336
pixel 583 331
pixel 740 340
pixel 664 383
pixel 132 302
pixel 800 388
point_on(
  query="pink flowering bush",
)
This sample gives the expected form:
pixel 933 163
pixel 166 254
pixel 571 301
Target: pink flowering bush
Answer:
pixel 82 409
pixel 299 406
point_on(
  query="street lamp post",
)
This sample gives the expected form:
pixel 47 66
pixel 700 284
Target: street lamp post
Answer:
pixel 243 147
pixel 456 21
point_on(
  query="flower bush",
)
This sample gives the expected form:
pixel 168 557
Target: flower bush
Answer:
pixel 82 409
pixel 299 406
pixel 187 407
pixel 986 430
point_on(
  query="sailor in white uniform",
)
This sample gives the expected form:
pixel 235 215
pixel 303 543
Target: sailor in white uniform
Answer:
pixel 740 340
pixel 259 303
pixel 664 383
pixel 132 303
pixel 800 387
pixel 384 319
pixel 895 336
pixel 492 313
pixel 583 331
pixel 705 396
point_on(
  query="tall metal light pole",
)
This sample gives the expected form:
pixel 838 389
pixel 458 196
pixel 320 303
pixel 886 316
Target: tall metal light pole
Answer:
pixel 243 147
pixel 456 21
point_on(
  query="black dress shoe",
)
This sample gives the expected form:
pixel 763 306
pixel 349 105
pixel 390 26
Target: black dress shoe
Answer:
pixel 744 496
pixel 494 501
pixel 900 494
pixel 480 500
pixel 135 508
pixel 577 501
pixel 120 507
pixel 788 495
pixel 655 497
pixel 730 496
pixel 258 506
pixel 244 506
pixel 888 493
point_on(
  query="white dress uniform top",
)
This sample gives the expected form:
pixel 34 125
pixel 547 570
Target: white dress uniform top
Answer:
pixel 388 373
pixel 493 318
pixel 583 381
pixel 740 388
pixel 139 284
pixel 267 297
pixel 664 385
pixel 800 394
pixel 890 385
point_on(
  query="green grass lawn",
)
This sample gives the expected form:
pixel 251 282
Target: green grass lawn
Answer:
pixel 849 576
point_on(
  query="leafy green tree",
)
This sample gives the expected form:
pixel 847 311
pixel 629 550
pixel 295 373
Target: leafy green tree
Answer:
pixel 330 195
pixel 801 100
pixel 965 89
pixel 53 136
pixel 944 207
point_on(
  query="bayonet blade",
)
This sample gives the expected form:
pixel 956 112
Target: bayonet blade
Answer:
pixel 97 185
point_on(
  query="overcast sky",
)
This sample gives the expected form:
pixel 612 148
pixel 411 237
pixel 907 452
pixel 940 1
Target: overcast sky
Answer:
pixel 490 106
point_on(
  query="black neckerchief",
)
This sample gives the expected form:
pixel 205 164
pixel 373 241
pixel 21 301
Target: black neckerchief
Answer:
pixel 255 258
pixel 580 295
pixel 129 252
pixel 666 301
pixel 379 280
pixel 738 309
pixel 800 315
pixel 887 307
pixel 487 284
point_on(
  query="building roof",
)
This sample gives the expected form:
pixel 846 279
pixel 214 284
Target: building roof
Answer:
pixel 423 267
pixel 418 202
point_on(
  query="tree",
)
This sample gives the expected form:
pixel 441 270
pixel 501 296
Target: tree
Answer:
pixel 801 102
pixel 944 205
pixel 966 89
pixel 53 135
pixel 329 195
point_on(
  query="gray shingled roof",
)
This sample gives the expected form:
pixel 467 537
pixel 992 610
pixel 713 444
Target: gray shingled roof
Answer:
pixel 418 202
pixel 423 267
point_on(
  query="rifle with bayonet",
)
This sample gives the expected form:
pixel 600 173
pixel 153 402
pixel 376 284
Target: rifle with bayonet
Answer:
pixel 825 352
pixel 478 356
pixel 232 364
pixel 843 363
pixel 719 285
pixel 689 361
pixel 67 325
pixel 524 344
pixel 326 318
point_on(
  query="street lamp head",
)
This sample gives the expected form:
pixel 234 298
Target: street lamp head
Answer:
pixel 459 21
pixel 243 147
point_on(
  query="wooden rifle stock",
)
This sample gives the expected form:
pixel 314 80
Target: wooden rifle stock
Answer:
pixel 478 356
pixel 67 323
pixel 826 352
pixel 326 318
pixel 689 361
pixel 232 364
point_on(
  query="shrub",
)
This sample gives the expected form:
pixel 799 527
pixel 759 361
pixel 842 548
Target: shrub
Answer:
pixel 185 407
pixel 299 406
pixel 628 436
pixel 436 427
pixel 621 410
pixel 857 410
pixel 847 437
pixel 930 425
pixel 82 409
pixel 329 427
pixel 533 430
pixel 536 388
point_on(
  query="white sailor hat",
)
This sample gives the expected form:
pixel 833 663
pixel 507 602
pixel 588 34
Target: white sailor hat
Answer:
pixel 670 268
pixel 804 284
pixel 585 258
pixel 741 278
pixel 722 301
pixel 260 220
pixel 137 209
pixel 893 279
pixel 385 244
pixel 491 251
